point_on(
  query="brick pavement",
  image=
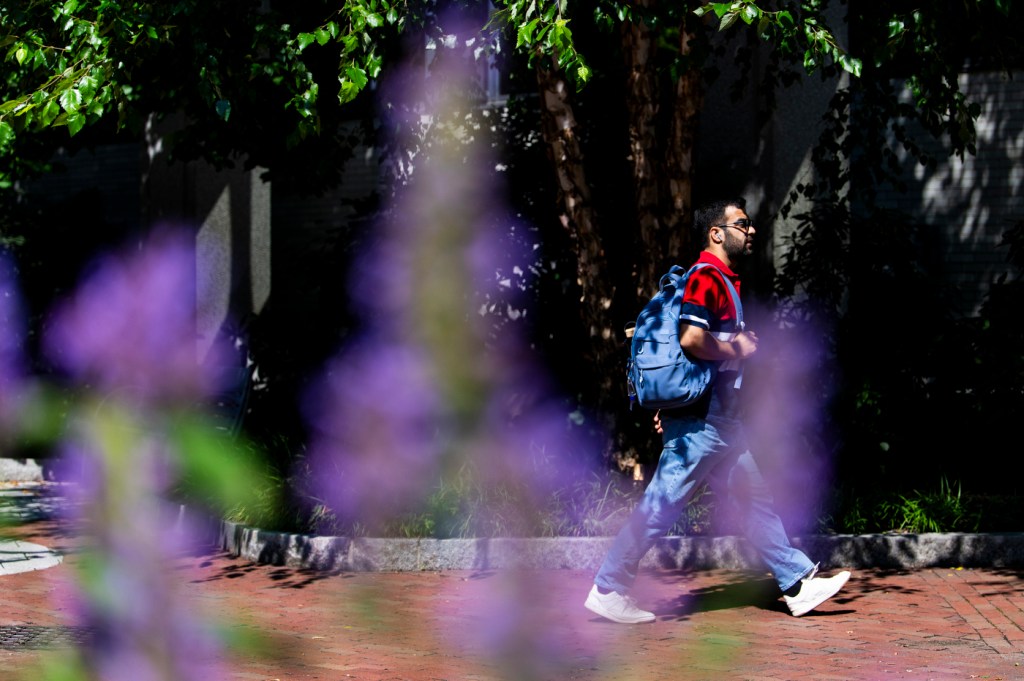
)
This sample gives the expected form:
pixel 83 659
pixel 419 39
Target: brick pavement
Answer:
pixel 463 625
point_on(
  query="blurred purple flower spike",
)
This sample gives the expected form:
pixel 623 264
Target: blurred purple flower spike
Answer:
pixel 376 420
pixel 12 338
pixel 130 327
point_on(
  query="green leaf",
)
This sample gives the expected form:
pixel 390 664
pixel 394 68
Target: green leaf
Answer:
pixel 750 13
pixel 728 20
pixel 525 33
pixel 87 85
pixel 20 55
pixel 6 134
pixel 76 121
pixel 11 105
pixel 374 20
pixel 721 8
pixel 556 38
pixel 347 92
pixel 215 466
pixel 70 100
pixel 223 109
pixel 322 36
pixel 357 76
pixel 392 15
pixel 810 63
pixel 50 111
pixel 373 66
pixel 305 40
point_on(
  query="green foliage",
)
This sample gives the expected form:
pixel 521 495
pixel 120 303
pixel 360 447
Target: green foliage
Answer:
pixel 938 511
pixel 799 29
pixel 542 29
pixel 945 508
pixel 74 64
pixel 462 506
pixel 221 472
pixel 354 31
pixel 597 506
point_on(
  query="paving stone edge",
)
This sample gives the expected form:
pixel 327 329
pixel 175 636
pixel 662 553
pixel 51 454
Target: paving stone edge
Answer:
pixel 893 551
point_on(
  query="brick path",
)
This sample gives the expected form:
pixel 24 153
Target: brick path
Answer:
pixel 461 625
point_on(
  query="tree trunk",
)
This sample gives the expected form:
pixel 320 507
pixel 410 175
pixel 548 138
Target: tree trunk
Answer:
pixel 642 109
pixel 688 99
pixel 577 216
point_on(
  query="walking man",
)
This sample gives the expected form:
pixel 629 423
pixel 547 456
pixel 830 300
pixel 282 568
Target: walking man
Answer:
pixel 705 442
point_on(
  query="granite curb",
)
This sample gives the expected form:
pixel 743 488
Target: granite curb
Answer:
pixel 345 554
pixel 362 554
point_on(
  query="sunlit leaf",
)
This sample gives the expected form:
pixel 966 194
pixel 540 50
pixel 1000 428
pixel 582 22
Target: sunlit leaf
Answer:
pixel 347 92
pixel 357 76
pixel 70 100
pixel 76 121
pixel 50 111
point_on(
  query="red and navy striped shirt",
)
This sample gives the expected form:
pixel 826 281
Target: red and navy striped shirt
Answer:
pixel 706 300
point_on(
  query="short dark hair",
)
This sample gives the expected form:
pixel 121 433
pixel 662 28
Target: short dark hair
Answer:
pixel 711 214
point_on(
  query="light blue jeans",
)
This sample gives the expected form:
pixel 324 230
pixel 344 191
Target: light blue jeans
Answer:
pixel 698 450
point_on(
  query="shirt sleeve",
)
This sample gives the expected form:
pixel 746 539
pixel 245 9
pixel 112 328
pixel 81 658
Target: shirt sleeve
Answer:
pixel 705 300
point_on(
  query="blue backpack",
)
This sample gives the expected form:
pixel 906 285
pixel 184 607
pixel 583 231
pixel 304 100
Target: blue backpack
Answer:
pixel 659 375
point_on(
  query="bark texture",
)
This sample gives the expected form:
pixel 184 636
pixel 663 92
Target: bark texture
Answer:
pixel 576 213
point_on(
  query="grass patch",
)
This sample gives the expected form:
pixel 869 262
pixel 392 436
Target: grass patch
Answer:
pixel 460 506
pixel 944 508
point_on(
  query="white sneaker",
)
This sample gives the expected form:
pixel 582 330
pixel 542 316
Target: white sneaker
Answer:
pixel 616 607
pixel 814 591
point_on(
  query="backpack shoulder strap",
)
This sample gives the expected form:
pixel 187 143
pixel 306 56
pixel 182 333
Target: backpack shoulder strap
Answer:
pixel 676 274
pixel 735 300
pixel 671 278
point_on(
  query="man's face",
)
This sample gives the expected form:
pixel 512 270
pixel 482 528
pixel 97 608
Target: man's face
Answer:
pixel 738 231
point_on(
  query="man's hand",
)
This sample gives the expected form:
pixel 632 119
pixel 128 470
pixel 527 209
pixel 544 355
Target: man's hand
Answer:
pixel 745 344
pixel 701 343
pixel 657 422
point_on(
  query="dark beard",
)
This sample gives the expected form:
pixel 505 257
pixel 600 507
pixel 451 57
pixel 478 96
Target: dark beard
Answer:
pixel 736 248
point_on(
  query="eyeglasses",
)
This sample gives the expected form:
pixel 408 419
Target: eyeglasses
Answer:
pixel 743 224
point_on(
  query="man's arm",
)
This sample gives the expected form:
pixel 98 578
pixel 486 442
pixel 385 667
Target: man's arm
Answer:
pixel 702 344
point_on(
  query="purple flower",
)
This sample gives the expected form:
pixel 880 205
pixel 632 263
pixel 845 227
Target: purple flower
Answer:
pixel 377 421
pixel 130 327
pixel 132 598
pixel 12 338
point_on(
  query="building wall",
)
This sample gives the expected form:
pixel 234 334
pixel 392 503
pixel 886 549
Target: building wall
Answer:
pixel 971 202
